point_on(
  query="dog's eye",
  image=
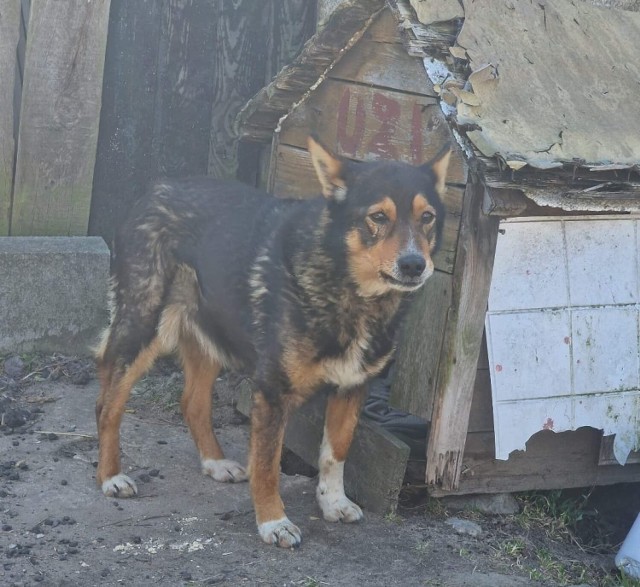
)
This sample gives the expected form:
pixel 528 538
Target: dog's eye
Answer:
pixel 379 217
pixel 427 217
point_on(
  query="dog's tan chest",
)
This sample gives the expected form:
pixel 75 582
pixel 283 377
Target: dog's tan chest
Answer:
pixel 353 367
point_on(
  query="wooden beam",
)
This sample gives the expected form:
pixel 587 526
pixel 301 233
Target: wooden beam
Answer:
pixel 9 35
pixel 552 461
pixel 61 97
pixel 505 202
pixel 462 341
pixel 570 187
pixel 127 158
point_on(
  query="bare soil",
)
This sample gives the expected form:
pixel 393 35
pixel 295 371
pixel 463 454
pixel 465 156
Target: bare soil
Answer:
pixel 56 528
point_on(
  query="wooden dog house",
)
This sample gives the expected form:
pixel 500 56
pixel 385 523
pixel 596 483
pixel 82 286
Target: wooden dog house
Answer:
pixel 542 131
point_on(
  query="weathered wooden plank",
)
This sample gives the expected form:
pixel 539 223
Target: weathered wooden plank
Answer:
pixel 463 338
pixel 292 175
pixel 418 356
pixel 383 29
pixel 374 483
pixel 239 72
pixel 60 111
pixel 9 35
pixel 384 65
pixel 373 123
pixel 433 40
pixel 127 156
pixel 292 23
pixel 552 461
pixel 184 92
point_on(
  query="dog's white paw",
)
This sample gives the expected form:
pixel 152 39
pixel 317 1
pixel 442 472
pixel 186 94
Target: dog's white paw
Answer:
pixel 282 533
pixel 337 507
pixel 119 486
pixel 224 470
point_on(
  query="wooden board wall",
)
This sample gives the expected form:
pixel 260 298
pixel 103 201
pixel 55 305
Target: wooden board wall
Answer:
pixel 9 36
pixel 57 138
pixel 176 74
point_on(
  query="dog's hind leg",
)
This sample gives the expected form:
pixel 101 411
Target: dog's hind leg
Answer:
pixel 341 419
pixel 200 372
pixel 116 383
pixel 267 433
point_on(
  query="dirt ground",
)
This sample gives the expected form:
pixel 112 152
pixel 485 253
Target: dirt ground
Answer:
pixel 57 529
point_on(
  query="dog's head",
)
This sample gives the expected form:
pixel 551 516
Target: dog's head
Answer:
pixel 391 215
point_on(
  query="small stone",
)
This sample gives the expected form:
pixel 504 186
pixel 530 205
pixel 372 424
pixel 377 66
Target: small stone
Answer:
pixel 15 443
pixel 162 442
pixel 104 572
pixel 52 436
pixel 185 575
pixel 465 527
pixel 144 478
pixel 64 482
pixel 136 540
pixel 7 528
pixel 154 472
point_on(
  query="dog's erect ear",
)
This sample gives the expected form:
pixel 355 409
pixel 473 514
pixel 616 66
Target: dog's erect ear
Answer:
pixel 438 166
pixel 329 170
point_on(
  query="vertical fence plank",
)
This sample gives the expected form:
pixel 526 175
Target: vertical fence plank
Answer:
pixel 291 24
pixel 126 160
pixel 9 35
pixel 58 133
pixel 185 87
pixel 242 33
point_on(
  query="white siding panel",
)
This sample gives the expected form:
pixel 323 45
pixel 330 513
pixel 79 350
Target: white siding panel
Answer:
pixel 605 349
pixel 563 330
pixel 602 266
pixel 540 363
pixel 524 275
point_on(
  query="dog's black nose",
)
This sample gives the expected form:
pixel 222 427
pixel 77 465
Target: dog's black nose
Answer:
pixel 412 265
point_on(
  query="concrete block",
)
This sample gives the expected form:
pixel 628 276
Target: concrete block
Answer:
pixel 53 293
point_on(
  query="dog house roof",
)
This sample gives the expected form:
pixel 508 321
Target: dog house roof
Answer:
pixel 531 90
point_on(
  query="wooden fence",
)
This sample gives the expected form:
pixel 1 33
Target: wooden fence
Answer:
pixel 99 97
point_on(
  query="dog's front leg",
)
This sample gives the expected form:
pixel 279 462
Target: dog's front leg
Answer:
pixel 341 419
pixel 268 420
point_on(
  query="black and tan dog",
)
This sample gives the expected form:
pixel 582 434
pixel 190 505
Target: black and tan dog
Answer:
pixel 299 294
